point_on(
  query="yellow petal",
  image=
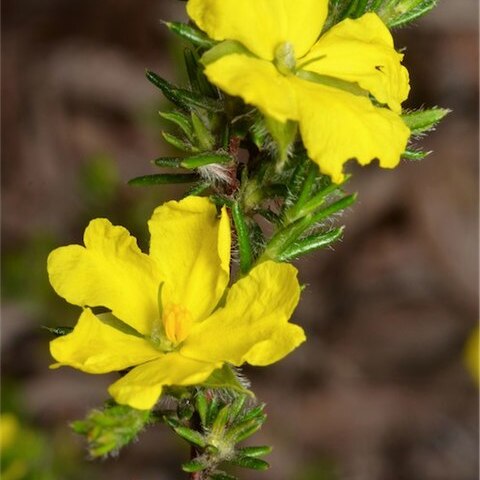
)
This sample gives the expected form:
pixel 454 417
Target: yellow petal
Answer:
pixel 111 272
pixel 261 25
pixel 337 126
pixel 253 326
pixel 192 247
pixel 141 387
pixel 94 346
pixel 362 51
pixel 258 82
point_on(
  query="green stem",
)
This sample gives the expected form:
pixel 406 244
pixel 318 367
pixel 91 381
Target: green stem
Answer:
pixel 243 237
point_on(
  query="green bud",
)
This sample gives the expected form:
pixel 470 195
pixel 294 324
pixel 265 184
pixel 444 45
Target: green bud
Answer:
pixel 110 429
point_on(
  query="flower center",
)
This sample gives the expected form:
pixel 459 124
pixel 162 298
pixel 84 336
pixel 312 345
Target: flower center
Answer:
pixel 177 321
pixel 285 58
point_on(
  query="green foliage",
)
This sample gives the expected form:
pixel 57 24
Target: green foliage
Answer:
pixel 219 423
pixel 108 430
pixel 395 13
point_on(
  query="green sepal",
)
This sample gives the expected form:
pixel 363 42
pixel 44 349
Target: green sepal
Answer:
pixel 410 154
pixel 58 331
pixel 182 121
pixel 310 244
pixel 421 121
pixel 284 135
pixel 191 436
pixel 202 159
pixel 194 466
pixel 164 179
pixel 259 451
pixel 180 97
pixel 225 378
pixel 251 463
pixel 192 34
pixel 178 143
pixel 243 238
pixel 110 429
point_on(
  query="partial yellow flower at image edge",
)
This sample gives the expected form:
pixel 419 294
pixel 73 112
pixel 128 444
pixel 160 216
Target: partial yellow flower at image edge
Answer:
pixel 273 56
pixel 164 318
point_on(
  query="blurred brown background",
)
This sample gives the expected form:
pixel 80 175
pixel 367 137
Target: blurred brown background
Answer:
pixel 380 391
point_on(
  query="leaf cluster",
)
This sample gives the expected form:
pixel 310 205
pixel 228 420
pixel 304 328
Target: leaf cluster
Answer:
pixel 214 425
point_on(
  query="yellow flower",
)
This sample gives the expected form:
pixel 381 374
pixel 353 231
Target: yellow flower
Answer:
pixel 274 59
pixel 165 318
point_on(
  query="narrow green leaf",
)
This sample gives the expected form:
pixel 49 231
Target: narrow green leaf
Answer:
pixel 335 207
pixel 201 405
pixel 256 412
pixel 202 159
pixel 58 331
pixel 237 406
pixel 181 121
pixel 421 121
pixel 197 189
pixel 251 463
pixel 192 34
pixel 182 98
pixel 178 143
pixel 167 162
pixel 194 466
pixel 198 81
pixel 415 154
pixel 205 139
pixel 406 11
pixel 191 436
pixel 220 421
pixel 255 451
pixel 310 244
pixel 243 430
pixel 163 179
pixel 213 408
pixel 243 238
